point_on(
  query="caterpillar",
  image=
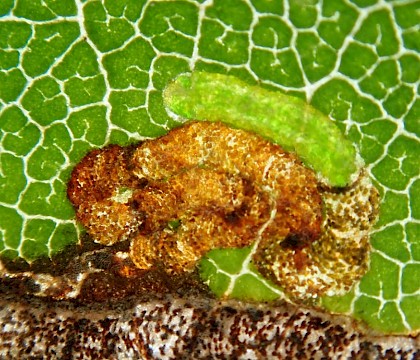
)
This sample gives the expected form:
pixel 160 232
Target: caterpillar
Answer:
pixel 285 120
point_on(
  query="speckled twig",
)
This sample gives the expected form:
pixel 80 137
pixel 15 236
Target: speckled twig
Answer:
pixel 175 328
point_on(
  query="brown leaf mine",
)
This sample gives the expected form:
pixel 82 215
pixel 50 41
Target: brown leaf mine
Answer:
pixel 340 256
pixel 223 187
pixel 95 191
pixel 205 186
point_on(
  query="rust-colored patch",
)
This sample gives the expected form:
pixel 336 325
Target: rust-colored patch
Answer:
pixel 93 183
pixel 223 187
pixel 338 258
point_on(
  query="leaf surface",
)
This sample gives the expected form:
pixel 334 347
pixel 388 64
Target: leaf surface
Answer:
pixel 76 75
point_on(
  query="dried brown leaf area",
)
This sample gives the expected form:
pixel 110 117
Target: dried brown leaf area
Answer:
pixel 204 186
pixel 331 264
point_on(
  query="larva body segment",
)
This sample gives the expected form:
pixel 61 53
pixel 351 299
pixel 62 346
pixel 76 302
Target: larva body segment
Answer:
pixel 285 120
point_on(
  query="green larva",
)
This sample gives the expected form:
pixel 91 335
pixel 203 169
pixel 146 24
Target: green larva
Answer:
pixel 283 119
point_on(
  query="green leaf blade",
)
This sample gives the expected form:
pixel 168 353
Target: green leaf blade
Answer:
pixel 75 81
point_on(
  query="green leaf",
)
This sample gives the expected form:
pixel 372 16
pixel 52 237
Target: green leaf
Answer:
pixel 103 28
pixel 44 10
pixel 76 76
pixel 227 276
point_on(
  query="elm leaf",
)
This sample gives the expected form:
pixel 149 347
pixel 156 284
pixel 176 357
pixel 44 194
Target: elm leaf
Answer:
pixel 77 75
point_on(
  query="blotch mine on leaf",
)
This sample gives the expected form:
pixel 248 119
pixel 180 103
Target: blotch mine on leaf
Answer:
pixel 206 186
pixel 339 257
pixel 225 187
pixel 95 191
pixel 330 265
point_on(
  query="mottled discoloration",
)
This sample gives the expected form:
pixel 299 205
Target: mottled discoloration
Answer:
pixel 174 328
pixel 206 186
pixel 211 210
pixel 340 256
pixel 221 184
pixel 95 181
